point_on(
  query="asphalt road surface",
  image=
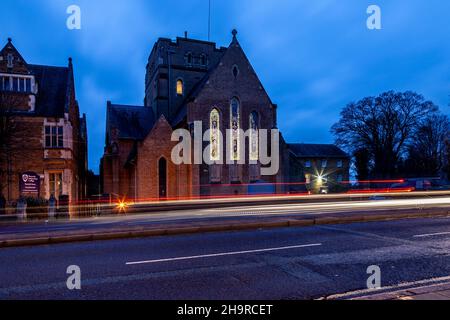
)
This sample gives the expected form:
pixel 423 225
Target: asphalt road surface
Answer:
pixel 290 263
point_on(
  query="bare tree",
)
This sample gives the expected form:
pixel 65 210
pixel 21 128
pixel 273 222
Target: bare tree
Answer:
pixel 382 125
pixel 427 152
pixel 8 103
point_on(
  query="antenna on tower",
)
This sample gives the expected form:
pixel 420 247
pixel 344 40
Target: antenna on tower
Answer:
pixel 209 20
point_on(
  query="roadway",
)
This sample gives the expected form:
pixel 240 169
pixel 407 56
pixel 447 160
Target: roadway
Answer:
pixel 289 263
pixel 243 212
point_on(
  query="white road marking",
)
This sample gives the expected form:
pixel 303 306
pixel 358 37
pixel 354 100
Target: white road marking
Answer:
pixel 431 235
pixel 224 254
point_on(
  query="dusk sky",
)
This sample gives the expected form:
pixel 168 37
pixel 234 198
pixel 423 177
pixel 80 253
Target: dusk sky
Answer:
pixel 313 57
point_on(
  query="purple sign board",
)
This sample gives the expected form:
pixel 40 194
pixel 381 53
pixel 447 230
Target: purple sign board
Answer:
pixel 30 183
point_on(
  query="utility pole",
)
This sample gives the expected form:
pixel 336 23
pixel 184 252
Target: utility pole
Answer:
pixel 209 21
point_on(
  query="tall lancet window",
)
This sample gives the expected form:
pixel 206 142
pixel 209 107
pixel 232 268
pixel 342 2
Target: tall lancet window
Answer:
pixel 214 125
pixel 235 126
pixel 254 138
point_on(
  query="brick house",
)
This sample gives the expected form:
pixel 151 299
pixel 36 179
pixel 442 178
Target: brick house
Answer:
pixel 43 133
pixel 320 166
pixel 191 81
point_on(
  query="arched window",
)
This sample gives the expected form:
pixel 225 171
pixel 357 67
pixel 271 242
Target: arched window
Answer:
pixel 162 172
pixel 235 127
pixel 180 87
pixel 254 137
pixel 214 126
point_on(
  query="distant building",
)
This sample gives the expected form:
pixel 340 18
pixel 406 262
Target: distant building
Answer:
pixel 44 140
pixel 190 81
pixel 323 167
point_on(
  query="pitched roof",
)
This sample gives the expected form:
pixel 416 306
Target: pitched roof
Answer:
pixel 302 150
pixel 53 83
pixel 132 122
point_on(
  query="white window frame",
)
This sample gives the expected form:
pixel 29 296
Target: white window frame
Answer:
pixel 51 135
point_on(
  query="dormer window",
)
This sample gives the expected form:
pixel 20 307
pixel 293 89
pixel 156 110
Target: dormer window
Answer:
pixel 10 60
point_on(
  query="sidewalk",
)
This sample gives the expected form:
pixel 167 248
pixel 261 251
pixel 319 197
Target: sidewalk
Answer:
pixel 431 292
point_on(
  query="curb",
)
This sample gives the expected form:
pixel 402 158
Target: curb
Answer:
pixel 288 222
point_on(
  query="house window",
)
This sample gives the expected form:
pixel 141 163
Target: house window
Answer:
pixel 10 60
pixel 324 163
pixel 235 127
pixel 5 83
pixel 16 84
pixel 54 137
pixel 203 60
pixel 308 164
pixel 180 88
pixel 28 85
pixel 340 164
pixel 189 58
pixel 214 125
pixel 55 184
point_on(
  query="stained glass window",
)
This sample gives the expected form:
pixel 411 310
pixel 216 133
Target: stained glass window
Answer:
pixel 235 126
pixel 215 134
pixel 254 138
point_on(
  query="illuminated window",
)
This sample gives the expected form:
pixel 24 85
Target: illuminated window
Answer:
pixel 254 138
pixel 55 184
pixel 180 87
pixel 235 127
pixel 308 178
pixel 214 125
pixel 308 164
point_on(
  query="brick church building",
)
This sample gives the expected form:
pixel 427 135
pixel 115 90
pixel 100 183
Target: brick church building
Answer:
pixel 43 139
pixel 190 81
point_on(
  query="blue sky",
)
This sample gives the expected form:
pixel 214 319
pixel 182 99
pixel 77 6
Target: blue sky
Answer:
pixel 313 57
